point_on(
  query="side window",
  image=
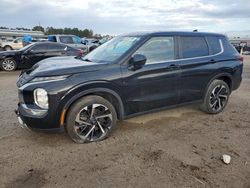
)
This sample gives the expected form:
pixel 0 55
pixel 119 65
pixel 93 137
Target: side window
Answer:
pixel 214 45
pixel 40 47
pixel 66 39
pixel 194 47
pixel 56 47
pixel 77 40
pixel 158 49
pixel 19 40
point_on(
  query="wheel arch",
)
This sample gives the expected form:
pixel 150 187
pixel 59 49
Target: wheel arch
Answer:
pixel 112 96
pixel 226 77
pixel 8 46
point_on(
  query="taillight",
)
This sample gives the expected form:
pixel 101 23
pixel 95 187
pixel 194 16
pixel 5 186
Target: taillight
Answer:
pixel 241 58
pixel 81 52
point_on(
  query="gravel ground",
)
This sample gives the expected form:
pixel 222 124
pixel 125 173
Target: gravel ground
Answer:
pixel 181 147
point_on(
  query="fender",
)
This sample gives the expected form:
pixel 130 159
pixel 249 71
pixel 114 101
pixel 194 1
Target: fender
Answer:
pixel 214 78
pixel 79 91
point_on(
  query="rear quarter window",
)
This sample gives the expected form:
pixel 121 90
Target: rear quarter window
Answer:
pixel 194 47
pixel 214 45
pixel 56 47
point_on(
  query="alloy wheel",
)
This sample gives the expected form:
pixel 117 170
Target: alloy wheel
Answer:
pixel 93 122
pixel 218 98
pixel 8 64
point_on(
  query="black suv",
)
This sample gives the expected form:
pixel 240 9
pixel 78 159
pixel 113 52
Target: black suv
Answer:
pixel 127 76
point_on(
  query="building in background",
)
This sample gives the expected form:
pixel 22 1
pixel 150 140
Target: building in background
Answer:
pixel 9 35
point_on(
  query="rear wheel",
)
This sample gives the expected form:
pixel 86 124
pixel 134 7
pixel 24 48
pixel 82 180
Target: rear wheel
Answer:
pixel 216 97
pixel 8 64
pixel 91 119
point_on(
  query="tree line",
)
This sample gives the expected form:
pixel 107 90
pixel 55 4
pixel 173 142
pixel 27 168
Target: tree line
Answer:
pixel 51 30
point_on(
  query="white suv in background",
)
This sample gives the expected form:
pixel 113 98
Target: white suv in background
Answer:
pixel 13 45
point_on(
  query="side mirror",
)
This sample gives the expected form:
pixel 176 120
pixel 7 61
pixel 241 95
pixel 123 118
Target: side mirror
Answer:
pixel 30 51
pixel 136 62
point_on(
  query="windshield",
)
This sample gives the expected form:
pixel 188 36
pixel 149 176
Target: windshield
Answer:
pixel 111 50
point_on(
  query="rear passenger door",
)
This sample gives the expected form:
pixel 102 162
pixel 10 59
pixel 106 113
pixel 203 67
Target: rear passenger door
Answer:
pixel 55 49
pixel 197 64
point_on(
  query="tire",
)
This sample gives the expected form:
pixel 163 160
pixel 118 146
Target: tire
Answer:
pixel 84 125
pixel 216 97
pixel 7 48
pixel 8 64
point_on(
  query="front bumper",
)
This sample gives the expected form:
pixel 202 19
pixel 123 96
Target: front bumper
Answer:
pixel 20 121
pixel 43 123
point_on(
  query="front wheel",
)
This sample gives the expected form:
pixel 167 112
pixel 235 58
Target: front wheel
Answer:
pixel 8 64
pixel 91 119
pixel 216 97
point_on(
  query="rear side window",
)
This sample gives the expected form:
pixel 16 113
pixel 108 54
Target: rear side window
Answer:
pixel 214 45
pixel 194 47
pixel 56 47
pixel 158 49
pixel 66 39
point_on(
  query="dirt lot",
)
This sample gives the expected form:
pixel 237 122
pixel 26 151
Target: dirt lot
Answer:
pixel 181 147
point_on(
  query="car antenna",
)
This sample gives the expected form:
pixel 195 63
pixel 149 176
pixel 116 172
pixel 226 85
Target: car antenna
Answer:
pixel 196 30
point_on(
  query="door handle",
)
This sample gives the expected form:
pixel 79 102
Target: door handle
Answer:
pixel 212 61
pixel 173 66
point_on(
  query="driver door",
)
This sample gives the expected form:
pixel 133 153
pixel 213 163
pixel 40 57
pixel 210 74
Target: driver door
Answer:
pixel 155 84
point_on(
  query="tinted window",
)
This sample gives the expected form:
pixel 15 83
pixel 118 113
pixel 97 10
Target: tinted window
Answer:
pixel 214 45
pixel 77 40
pixel 40 47
pixel 158 49
pixel 194 47
pixel 66 39
pixel 56 47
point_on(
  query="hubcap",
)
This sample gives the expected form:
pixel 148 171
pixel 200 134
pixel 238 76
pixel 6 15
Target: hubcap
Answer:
pixel 218 97
pixel 8 64
pixel 93 122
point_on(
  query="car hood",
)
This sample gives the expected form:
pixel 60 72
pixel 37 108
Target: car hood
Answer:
pixel 64 65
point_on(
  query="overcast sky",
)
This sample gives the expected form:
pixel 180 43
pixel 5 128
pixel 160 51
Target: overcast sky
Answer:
pixel 121 16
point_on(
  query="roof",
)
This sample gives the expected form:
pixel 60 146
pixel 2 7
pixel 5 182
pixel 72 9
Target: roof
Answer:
pixel 182 33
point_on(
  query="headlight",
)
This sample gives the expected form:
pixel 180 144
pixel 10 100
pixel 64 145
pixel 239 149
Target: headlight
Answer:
pixel 41 98
pixel 50 78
